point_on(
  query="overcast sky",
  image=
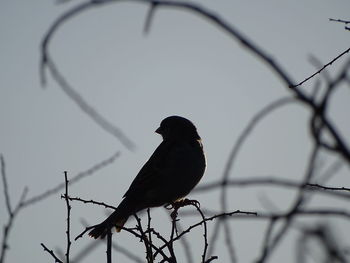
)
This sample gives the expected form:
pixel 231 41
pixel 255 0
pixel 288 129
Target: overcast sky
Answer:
pixel 184 66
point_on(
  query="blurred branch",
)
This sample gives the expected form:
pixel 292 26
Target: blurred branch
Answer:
pixel 327 240
pixel 12 213
pixel 292 211
pixel 185 5
pixel 342 192
pixel 99 119
pixel 149 17
pixel 4 180
pixel 257 215
pixel 46 60
pixel 257 118
pixel 74 179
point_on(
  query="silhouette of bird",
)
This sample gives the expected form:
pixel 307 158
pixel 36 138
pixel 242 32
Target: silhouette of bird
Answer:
pixel 173 170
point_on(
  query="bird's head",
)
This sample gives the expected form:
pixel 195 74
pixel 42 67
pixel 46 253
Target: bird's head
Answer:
pixel 176 127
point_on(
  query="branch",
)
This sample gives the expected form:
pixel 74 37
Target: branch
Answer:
pixel 91 202
pixel 68 217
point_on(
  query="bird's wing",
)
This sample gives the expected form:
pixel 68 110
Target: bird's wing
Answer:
pixel 150 171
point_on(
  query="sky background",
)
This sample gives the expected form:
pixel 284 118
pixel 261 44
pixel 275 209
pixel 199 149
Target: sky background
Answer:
pixel 184 66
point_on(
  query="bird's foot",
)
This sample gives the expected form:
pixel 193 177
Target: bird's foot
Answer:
pixel 180 203
pixel 186 202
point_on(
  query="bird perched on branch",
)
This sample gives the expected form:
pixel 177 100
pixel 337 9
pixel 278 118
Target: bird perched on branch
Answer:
pixel 173 170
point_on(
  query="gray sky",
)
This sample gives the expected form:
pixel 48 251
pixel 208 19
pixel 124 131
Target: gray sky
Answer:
pixel 184 66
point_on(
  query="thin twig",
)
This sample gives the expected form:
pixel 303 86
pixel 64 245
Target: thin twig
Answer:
pixel 322 68
pixel 51 253
pixel 144 239
pixel 68 217
pixel 91 202
pixel 205 234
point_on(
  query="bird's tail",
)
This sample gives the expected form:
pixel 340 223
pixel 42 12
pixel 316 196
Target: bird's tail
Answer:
pixel 101 230
pixel 117 219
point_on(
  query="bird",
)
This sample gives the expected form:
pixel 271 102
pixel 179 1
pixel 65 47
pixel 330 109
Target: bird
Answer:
pixel 172 171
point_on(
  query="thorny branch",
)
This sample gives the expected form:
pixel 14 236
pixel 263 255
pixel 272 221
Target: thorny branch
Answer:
pixel 69 208
pixel 69 243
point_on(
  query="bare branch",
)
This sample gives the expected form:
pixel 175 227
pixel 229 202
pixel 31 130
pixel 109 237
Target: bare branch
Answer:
pixel 322 68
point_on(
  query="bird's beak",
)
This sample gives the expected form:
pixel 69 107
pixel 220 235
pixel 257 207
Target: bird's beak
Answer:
pixel 159 131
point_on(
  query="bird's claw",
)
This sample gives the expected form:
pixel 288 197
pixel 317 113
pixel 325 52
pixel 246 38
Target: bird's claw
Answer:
pixel 180 203
pixel 193 202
